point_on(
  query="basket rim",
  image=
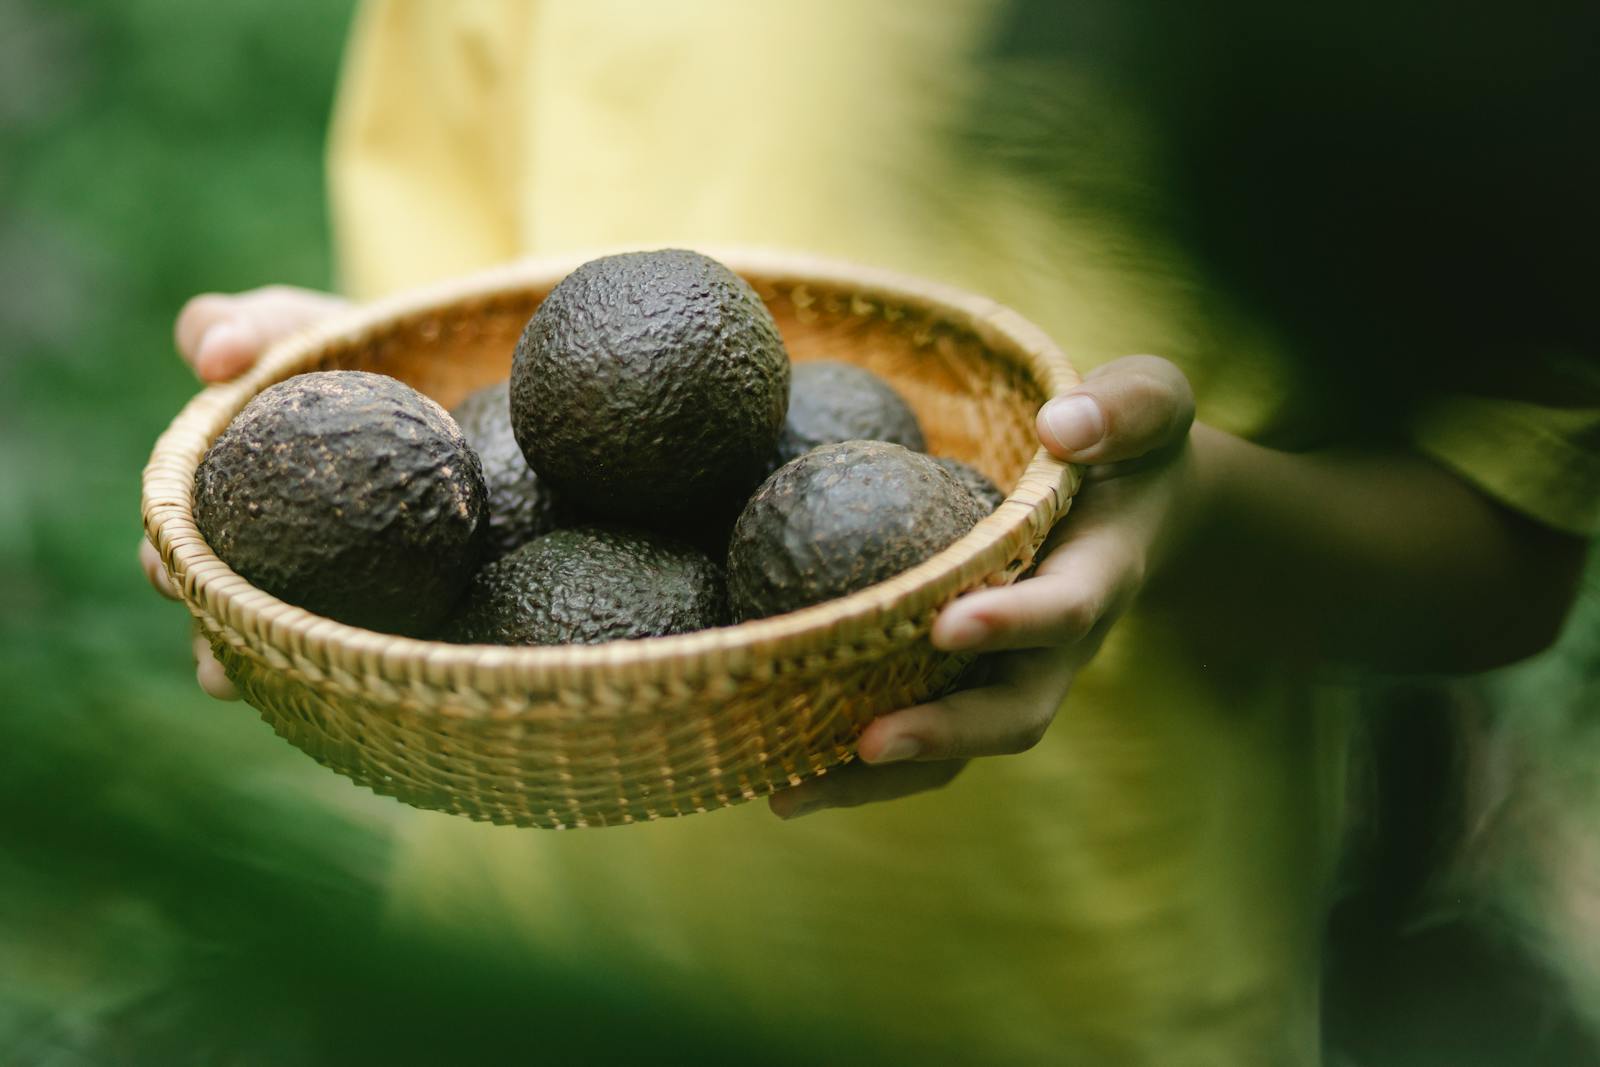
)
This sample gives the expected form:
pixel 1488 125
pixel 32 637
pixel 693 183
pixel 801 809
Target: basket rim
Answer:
pixel 210 588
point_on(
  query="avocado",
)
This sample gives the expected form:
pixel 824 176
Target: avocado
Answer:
pixel 347 493
pixel 838 519
pixel 650 387
pixel 521 507
pixel 830 402
pixel 977 483
pixel 589 584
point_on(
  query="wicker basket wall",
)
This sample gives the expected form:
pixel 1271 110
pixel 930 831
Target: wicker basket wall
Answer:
pixel 632 730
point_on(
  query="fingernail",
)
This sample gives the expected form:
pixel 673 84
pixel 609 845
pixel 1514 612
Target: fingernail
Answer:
pixel 1075 422
pixel 900 748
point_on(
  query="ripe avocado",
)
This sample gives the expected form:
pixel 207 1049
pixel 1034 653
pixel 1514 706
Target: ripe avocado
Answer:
pixel 830 402
pixel 650 386
pixel 521 507
pixel 347 493
pixel 977 483
pixel 838 519
pixel 590 584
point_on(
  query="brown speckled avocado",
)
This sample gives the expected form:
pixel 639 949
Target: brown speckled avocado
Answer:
pixel 521 507
pixel 347 493
pixel 832 402
pixel 838 519
pixel 977 483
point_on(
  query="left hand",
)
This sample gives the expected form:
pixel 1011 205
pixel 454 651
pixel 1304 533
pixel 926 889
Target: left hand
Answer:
pixel 220 336
pixel 1129 422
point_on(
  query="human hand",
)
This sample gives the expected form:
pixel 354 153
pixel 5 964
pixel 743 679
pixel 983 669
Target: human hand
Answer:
pixel 1129 422
pixel 221 336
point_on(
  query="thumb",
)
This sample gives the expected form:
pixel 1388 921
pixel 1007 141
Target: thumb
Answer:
pixel 1124 409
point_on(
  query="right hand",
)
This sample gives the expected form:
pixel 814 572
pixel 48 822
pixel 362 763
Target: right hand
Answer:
pixel 1129 424
pixel 221 336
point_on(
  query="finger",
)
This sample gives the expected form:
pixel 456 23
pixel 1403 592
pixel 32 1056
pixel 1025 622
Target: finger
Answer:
pixel 221 336
pixel 154 570
pixel 1124 409
pixel 199 315
pixel 231 346
pixel 208 672
pixel 855 784
pixel 1003 719
pixel 1046 610
pixel 214 681
pixel 1077 585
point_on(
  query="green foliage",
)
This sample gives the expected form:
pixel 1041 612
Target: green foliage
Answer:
pixel 151 151
pixel 177 885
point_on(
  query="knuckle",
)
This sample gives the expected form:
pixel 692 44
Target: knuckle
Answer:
pixel 198 304
pixel 1026 736
pixel 1159 371
pixel 1154 382
pixel 279 296
pixel 1160 365
pixel 936 744
pixel 193 314
pixel 1156 393
pixel 1075 619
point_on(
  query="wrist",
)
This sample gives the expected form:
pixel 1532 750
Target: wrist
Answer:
pixel 1199 477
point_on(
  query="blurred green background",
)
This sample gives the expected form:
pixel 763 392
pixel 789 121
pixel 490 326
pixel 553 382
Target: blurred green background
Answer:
pixel 152 842
pixel 176 884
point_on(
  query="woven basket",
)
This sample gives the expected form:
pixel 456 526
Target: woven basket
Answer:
pixel 631 730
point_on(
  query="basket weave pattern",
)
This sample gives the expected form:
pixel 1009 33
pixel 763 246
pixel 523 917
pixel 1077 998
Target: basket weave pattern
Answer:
pixel 631 730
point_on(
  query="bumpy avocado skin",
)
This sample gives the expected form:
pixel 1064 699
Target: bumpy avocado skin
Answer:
pixel 589 584
pixel 838 519
pixel 977 483
pixel 651 387
pixel 350 494
pixel 831 402
pixel 521 507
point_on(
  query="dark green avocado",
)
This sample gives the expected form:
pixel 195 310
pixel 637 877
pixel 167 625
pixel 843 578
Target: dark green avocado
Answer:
pixel 838 519
pixel 590 584
pixel 650 387
pixel 977 483
pixel 521 507
pixel 350 494
pixel 830 402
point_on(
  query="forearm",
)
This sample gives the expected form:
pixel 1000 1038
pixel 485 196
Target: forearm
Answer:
pixel 1380 559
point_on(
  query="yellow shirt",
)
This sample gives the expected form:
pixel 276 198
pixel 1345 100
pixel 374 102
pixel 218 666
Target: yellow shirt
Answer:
pixel 1146 886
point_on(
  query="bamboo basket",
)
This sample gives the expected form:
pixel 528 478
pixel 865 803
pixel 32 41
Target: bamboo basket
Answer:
pixel 629 731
